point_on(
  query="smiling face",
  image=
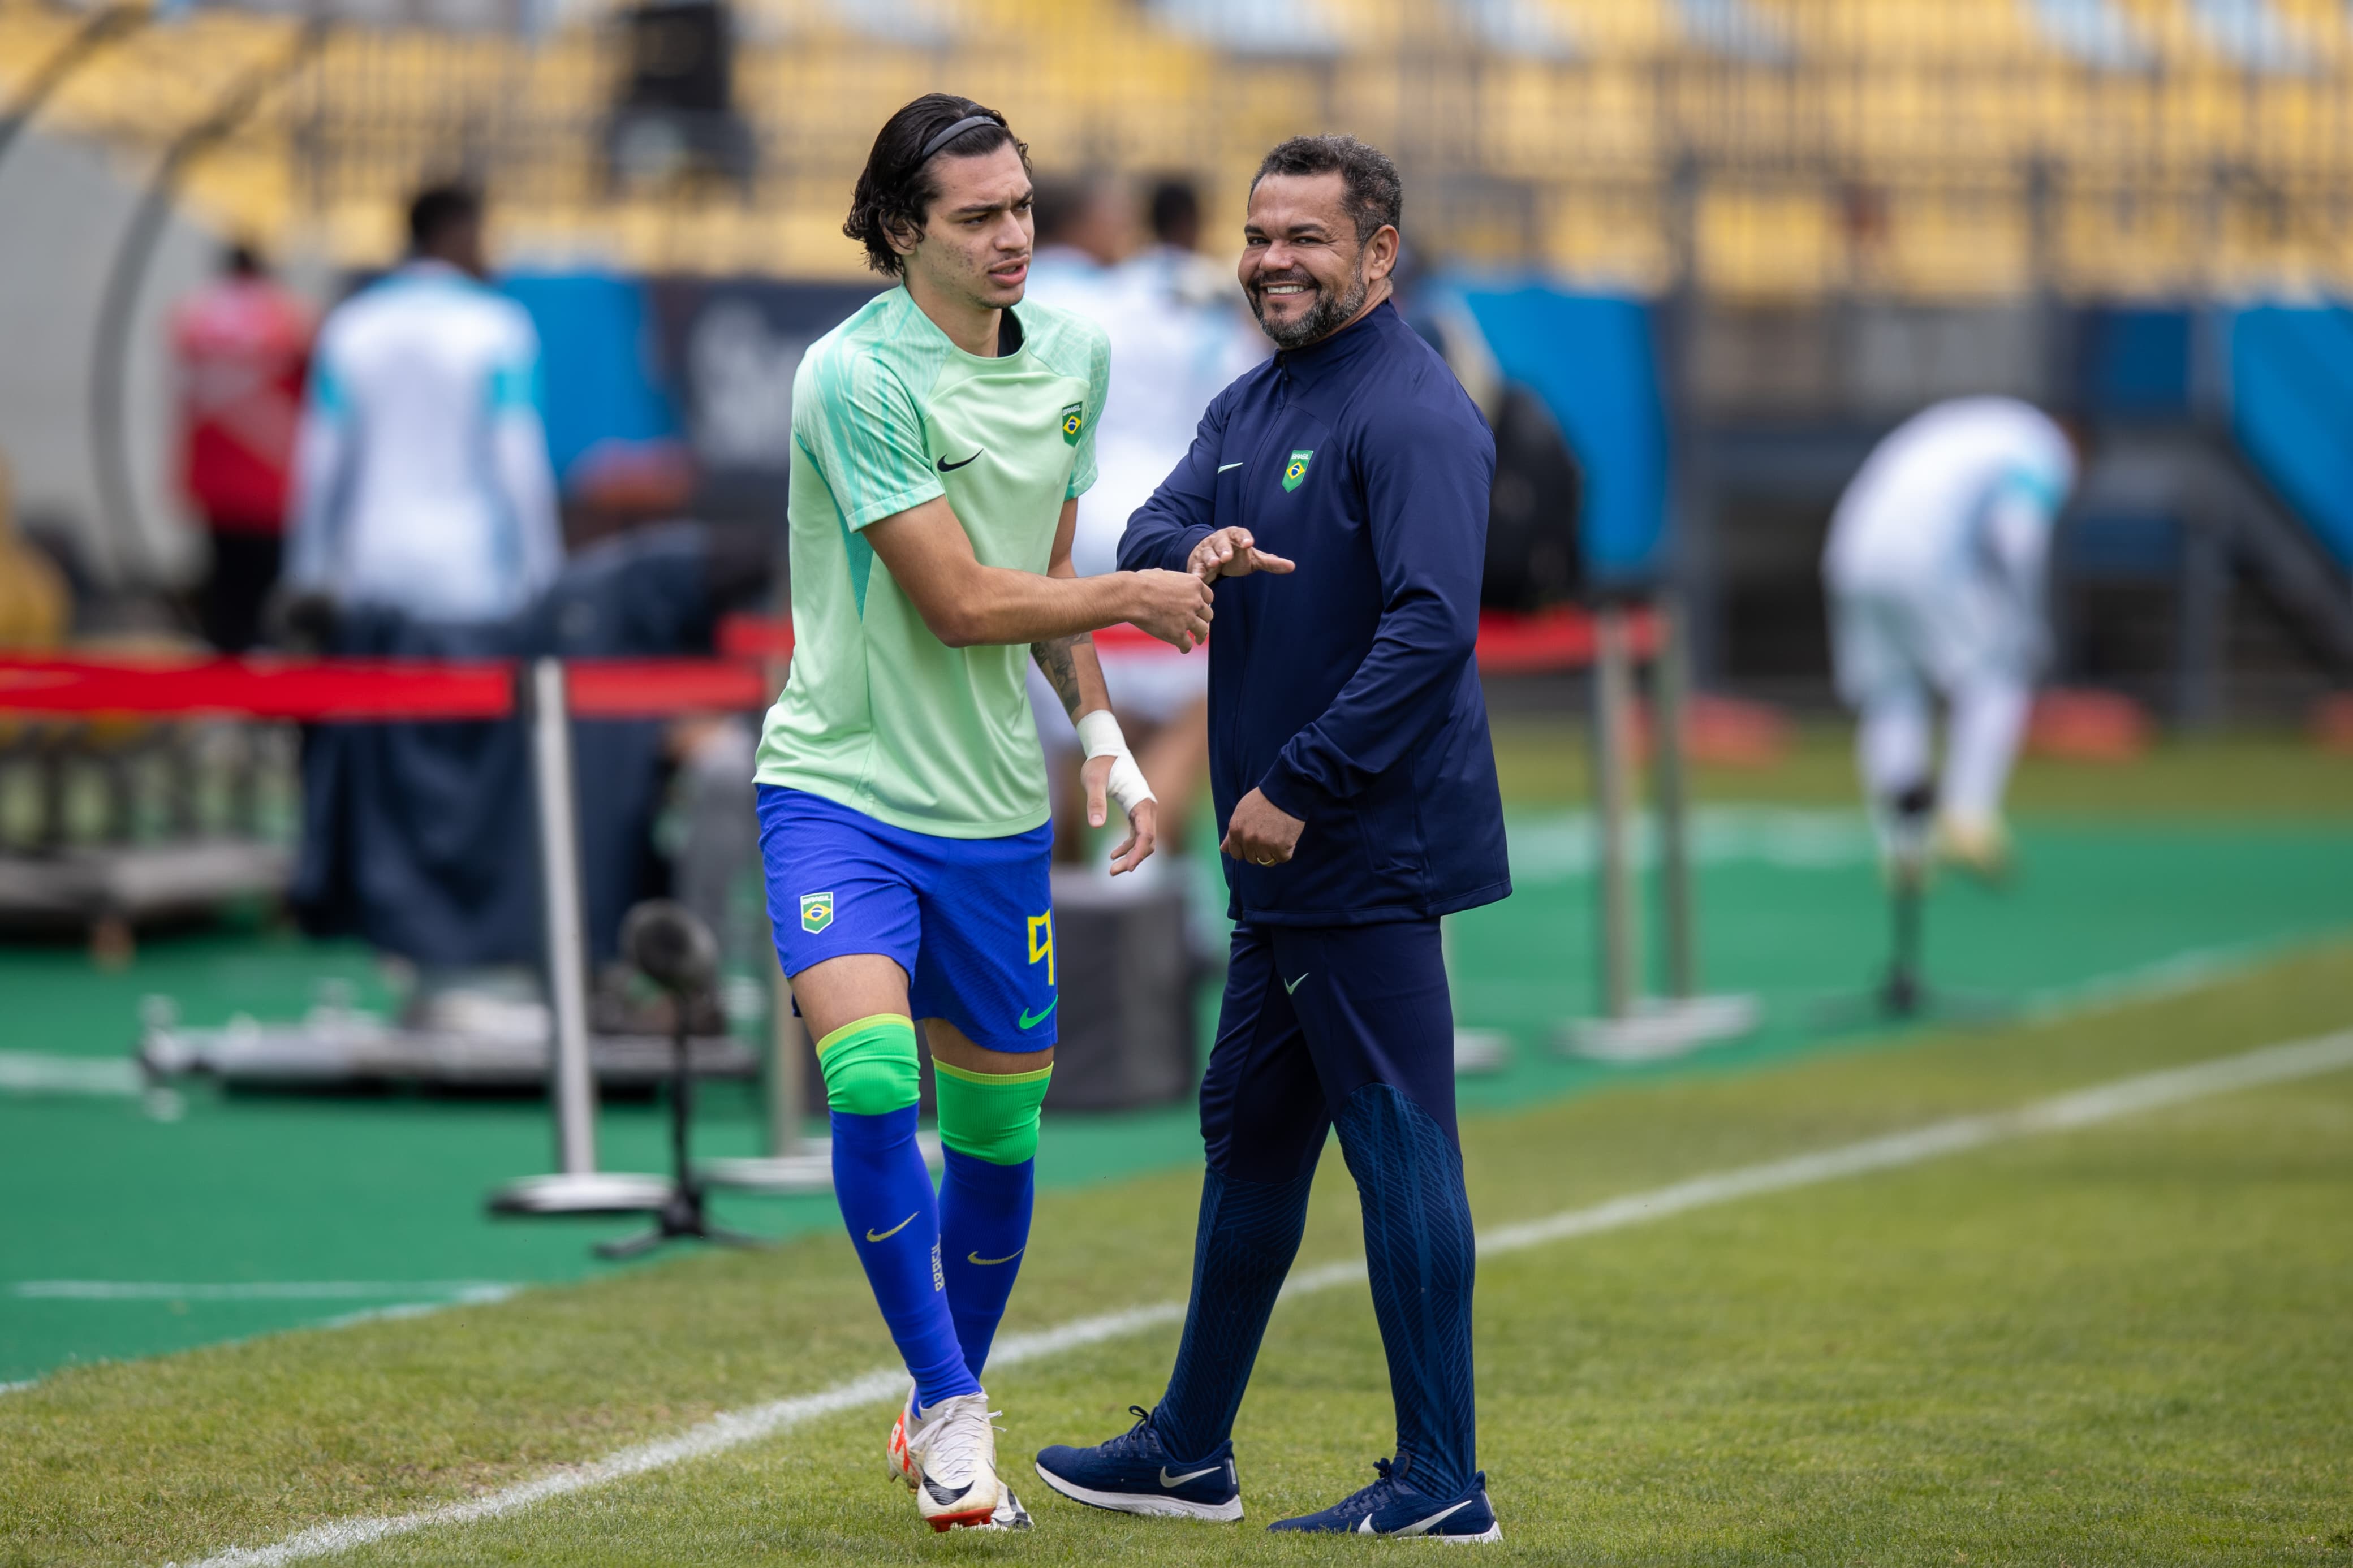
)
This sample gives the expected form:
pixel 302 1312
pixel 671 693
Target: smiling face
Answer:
pixel 1305 272
pixel 974 250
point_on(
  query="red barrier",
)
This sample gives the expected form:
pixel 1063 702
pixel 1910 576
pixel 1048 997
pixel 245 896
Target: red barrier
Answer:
pixel 323 690
pixel 1509 643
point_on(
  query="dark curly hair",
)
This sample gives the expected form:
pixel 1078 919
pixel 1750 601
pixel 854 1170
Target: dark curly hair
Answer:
pixel 1371 190
pixel 896 188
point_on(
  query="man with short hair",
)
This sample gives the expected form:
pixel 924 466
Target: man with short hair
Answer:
pixel 1355 788
pixel 941 438
pixel 422 479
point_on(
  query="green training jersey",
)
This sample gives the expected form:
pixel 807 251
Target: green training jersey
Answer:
pixel 878 713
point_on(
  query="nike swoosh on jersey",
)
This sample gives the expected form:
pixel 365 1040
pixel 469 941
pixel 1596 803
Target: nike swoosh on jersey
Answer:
pixel 1223 466
pixel 1168 1480
pixel 1291 985
pixel 991 1262
pixel 893 1231
pixel 1421 1527
pixel 948 468
pixel 1029 1021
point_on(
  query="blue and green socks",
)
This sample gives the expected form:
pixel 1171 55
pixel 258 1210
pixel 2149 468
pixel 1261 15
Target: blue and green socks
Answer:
pixel 988 1132
pixel 886 1197
pixel 940 1267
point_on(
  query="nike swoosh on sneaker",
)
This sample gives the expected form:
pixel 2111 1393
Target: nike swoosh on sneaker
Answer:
pixel 948 468
pixel 1168 1480
pixel 893 1231
pixel 1291 985
pixel 1424 1526
pixel 944 1495
pixel 1030 1021
pixel 1223 466
pixel 987 1262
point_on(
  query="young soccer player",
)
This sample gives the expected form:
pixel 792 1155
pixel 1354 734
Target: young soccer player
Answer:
pixel 941 438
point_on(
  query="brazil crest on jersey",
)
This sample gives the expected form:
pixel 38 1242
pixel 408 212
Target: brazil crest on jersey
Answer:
pixel 878 713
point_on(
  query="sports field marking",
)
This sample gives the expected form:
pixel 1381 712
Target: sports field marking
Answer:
pixel 2083 1107
pixel 454 1290
pixel 43 1072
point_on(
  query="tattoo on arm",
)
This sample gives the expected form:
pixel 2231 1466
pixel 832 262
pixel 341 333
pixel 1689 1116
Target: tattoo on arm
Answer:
pixel 1060 671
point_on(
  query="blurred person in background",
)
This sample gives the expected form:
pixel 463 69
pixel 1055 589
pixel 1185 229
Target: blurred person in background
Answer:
pixel 241 344
pixel 1083 232
pixel 1934 577
pixel 1180 334
pixel 422 479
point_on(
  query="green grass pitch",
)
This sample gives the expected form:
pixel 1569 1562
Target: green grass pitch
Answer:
pixel 2129 1343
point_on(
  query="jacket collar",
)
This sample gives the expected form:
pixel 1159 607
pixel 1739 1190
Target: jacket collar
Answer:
pixel 1321 360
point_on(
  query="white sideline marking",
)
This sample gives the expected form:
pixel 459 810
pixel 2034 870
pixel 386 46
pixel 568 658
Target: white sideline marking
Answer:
pixel 468 1291
pixel 42 1072
pixel 729 1429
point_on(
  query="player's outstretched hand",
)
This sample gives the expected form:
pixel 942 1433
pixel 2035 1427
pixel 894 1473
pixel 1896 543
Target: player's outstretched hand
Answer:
pixel 1262 832
pixel 1232 552
pixel 1142 822
pixel 1174 607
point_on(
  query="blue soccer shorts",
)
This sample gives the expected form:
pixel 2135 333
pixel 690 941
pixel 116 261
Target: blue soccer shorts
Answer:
pixel 971 921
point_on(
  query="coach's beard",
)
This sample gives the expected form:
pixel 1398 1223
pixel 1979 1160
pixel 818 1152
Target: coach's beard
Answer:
pixel 1326 316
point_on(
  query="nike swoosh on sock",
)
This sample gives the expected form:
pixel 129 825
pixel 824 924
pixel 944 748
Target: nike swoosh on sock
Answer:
pixel 893 1231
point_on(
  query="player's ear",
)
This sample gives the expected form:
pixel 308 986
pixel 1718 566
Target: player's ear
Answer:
pixel 1381 253
pixel 901 235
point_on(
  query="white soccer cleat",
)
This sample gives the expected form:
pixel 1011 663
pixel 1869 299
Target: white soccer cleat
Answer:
pixel 953 1453
pixel 901 1463
pixel 1009 1514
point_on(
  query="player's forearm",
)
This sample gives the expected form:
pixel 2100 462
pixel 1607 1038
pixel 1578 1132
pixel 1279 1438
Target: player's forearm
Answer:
pixel 1001 606
pixel 1072 669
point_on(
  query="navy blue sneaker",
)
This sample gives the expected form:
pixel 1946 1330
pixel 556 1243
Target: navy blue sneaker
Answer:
pixel 1134 1473
pixel 1389 1507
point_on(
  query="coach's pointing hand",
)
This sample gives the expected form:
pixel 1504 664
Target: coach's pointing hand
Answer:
pixel 1174 607
pixel 1262 832
pixel 1231 553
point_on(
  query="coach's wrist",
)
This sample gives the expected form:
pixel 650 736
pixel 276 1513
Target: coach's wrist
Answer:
pixel 1289 792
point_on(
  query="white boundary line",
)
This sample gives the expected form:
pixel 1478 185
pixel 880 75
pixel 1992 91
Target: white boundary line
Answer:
pixel 731 1429
pixel 455 1291
pixel 43 1072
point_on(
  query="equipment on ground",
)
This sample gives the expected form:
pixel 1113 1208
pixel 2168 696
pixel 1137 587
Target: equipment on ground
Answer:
pixel 676 950
pixel 578 1187
pixel 1633 1028
pixel 1127 977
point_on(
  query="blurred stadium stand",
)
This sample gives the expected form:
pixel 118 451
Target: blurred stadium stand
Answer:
pixel 1812 217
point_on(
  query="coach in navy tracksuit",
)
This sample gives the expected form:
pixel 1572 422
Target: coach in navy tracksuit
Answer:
pixel 1337 496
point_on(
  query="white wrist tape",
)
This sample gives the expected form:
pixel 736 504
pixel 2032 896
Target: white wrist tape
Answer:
pixel 1100 734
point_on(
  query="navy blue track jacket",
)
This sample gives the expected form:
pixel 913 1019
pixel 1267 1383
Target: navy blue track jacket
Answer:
pixel 1348 690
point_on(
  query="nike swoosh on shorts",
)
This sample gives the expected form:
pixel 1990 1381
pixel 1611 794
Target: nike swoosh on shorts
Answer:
pixel 893 1231
pixel 1030 1022
pixel 1291 985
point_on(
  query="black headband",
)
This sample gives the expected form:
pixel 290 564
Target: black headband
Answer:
pixel 969 123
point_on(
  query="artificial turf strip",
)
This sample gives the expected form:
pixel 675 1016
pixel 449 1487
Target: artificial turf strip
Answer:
pixel 1887 1369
